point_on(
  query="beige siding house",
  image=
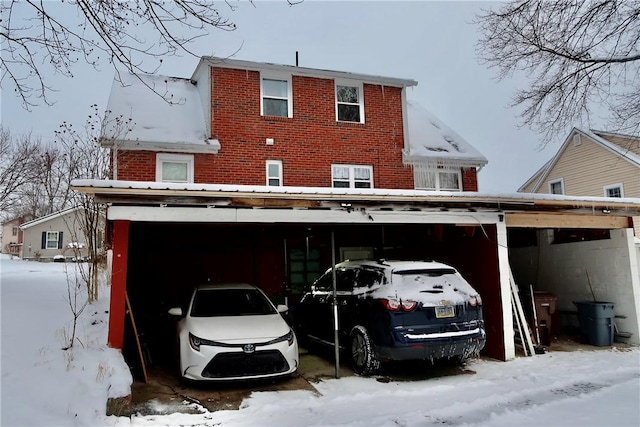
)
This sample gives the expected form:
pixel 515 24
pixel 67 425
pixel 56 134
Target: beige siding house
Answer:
pixel 592 163
pixel 53 236
pixel 12 236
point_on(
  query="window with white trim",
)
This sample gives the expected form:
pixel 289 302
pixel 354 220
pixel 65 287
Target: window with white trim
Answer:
pixel 351 176
pixel 349 102
pixel 274 173
pixel 275 95
pixel 52 240
pixel 556 186
pixel 438 179
pixel 174 168
pixel 14 231
pixel 614 190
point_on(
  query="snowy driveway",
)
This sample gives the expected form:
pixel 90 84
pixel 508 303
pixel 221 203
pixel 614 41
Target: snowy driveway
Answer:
pixel 42 385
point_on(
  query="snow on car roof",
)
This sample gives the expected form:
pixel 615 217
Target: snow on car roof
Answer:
pixel 399 265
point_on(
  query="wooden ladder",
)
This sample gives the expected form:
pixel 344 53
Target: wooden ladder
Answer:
pixel 522 336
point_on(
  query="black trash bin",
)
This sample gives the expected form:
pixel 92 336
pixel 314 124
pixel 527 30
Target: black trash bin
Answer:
pixel 596 322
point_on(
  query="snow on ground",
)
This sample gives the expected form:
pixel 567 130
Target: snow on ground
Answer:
pixel 43 385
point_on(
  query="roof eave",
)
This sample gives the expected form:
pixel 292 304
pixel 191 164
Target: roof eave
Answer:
pixel 210 146
pixel 301 71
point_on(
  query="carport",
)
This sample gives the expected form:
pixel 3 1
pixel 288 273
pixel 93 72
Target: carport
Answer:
pixel 166 238
pixel 573 259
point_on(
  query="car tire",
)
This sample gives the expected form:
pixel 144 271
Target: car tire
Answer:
pixel 363 357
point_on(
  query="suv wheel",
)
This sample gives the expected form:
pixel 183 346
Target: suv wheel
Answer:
pixel 363 357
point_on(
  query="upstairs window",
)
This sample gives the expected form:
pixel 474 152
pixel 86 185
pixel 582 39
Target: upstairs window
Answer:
pixel 349 102
pixel 274 173
pixel 174 168
pixel 14 231
pixel 435 179
pixel 352 176
pixel 556 186
pixel 276 96
pixel 613 191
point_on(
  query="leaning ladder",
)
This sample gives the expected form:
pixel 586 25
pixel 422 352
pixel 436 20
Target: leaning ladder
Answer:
pixel 521 328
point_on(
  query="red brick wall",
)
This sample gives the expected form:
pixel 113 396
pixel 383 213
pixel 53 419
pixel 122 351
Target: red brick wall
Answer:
pixel 310 141
pixel 469 179
pixel 136 165
pixel 307 144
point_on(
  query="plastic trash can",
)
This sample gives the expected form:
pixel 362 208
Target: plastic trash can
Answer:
pixel 596 319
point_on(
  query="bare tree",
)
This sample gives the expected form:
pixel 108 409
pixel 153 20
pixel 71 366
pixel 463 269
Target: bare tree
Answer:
pixel 84 158
pixel 77 300
pixel 38 36
pixel 16 166
pixel 579 56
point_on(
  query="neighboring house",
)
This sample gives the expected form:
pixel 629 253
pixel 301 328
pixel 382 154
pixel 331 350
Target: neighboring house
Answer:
pixel 267 174
pixel 57 235
pixel 12 236
pixel 248 123
pixel 592 163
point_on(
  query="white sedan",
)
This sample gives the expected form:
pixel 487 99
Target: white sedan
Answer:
pixel 232 332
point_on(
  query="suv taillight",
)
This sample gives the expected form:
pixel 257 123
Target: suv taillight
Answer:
pixel 475 300
pixel 397 305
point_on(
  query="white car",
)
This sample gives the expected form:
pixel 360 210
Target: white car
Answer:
pixel 233 332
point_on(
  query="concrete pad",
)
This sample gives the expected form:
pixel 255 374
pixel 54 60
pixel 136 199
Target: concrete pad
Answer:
pixel 165 393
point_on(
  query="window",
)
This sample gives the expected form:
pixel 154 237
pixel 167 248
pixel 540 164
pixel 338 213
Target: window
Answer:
pixel 51 240
pixel 613 191
pixel 556 186
pixel 14 231
pixel 352 176
pixel 174 168
pixel 274 173
pixel 276 96
pixel 438 179
pixel 349 102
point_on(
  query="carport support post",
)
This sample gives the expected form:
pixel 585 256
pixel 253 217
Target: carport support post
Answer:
pixel 336 341
pixel 120 244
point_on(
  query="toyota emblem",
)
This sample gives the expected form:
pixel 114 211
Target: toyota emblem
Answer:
pixel 249 348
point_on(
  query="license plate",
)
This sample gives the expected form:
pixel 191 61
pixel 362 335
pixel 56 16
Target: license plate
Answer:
pixel 444 311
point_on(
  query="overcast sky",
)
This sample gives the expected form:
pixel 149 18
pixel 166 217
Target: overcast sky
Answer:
pixel 431 42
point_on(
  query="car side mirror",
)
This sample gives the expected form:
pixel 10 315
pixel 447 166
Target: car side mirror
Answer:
pixel 282 308
pixel 175 311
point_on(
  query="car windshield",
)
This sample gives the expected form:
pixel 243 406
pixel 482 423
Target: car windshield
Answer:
pixel 230 302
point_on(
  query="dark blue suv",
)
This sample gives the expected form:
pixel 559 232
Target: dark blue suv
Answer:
pixel 394 310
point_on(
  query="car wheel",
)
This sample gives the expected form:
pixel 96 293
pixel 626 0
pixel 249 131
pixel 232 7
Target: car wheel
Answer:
pixel 363 357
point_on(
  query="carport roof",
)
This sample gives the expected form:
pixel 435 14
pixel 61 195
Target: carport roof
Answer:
pixel 149 193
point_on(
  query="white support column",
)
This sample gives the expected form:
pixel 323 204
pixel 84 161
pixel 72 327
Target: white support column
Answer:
pixel 505 291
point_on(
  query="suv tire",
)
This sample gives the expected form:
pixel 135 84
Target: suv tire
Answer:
pixel 363 357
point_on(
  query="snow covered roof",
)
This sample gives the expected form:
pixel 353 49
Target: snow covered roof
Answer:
pixel 166 114
pixel 430 139
pixel 48 217
pixel 208 191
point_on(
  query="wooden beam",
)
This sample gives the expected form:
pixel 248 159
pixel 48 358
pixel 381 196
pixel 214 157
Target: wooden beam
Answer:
pixel 565 220
pixel 118 283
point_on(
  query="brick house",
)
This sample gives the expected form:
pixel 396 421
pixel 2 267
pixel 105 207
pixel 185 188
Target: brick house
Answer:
pixel 279 125
pixel 267 174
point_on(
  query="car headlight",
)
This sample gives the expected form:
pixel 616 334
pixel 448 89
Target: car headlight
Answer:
pixel 286 337
pixel 196 342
